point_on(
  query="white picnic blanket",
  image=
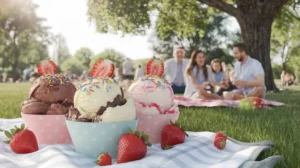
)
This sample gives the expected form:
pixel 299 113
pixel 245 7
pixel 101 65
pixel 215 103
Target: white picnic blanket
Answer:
pixel 197 152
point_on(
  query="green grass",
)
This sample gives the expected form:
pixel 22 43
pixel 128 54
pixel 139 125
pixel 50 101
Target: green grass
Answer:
pixel 280 124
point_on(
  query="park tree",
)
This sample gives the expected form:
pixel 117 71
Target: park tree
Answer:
pixel 255 18
pixel 61 50
pixel 214 37
pixel 84 56
pixel 116 57
pixel 285 39
pixel 75 66
pixel 23 37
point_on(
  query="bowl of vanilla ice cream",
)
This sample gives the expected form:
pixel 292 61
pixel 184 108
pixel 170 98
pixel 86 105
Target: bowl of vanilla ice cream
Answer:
pixel 101 114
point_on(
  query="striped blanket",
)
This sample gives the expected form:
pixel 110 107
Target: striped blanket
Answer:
pixel 197 152
pixel 187 102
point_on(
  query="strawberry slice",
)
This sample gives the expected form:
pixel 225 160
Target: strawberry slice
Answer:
pixel 155 67
pixel 103 68
pixel 46 67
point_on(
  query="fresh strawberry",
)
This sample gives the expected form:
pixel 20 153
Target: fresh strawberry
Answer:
pixel 172 134
pixel 220 140
pixel 103 68
pixel 104 159
pixel 155 67
pixel 46 67
pixel 132 146
pixel 22 140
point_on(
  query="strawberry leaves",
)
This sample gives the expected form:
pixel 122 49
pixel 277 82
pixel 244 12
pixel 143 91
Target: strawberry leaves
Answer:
pixel 12 132
pixel 142 135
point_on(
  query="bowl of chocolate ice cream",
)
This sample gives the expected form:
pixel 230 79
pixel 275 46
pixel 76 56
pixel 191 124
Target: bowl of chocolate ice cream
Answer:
pixel 50 98
pixel 101 114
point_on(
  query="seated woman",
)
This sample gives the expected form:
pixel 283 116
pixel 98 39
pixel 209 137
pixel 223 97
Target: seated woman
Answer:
pixel 198 77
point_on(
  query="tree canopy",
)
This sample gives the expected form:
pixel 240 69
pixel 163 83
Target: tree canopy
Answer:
pixel 84 55
pixel 61 50
pixel 23 37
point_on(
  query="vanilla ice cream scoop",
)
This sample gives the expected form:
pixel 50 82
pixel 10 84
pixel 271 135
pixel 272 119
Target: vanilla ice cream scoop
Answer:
pixel 105 98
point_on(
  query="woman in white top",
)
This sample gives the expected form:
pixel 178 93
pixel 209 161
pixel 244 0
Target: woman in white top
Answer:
pixel 198 77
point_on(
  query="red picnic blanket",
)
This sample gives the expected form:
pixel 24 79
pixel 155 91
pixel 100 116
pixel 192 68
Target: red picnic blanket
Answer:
pixel 187 102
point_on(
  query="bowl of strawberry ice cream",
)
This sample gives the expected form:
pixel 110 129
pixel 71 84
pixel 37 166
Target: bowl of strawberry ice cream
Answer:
pixel 154 101
pixel 49 100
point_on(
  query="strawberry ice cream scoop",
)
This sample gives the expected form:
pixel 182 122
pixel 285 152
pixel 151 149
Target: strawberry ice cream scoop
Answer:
pixel 153 95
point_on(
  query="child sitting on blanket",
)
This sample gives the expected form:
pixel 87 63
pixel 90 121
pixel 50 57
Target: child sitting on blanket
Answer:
pixel 220 77
pixel 218 71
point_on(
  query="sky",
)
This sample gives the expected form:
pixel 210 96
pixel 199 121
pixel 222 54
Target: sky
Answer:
pixel 68 17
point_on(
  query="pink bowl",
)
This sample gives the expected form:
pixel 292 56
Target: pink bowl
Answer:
pixel 152 124
pixel 48 129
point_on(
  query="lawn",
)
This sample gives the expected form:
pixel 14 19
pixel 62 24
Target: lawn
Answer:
pixel 280 124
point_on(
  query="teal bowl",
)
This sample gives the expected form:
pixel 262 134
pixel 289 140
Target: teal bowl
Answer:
pixel 92 139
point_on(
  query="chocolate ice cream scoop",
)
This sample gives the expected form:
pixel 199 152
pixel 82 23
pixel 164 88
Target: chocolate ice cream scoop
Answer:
pixel 52 88
pixel 34 106
pixel 50 94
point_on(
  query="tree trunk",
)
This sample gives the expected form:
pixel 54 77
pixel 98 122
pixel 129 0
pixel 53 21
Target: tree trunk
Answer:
pixel 256 33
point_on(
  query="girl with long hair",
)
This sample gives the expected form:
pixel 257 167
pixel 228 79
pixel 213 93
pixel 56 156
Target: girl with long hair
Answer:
pixel 198 77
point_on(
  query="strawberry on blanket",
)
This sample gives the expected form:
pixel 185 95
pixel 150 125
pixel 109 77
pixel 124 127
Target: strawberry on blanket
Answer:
pixel 171 135
pixel 132 146
pixel 220 140
pixel 104 159
pixel 22 140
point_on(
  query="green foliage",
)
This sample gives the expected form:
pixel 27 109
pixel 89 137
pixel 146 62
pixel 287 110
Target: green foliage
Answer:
pixel 214 36
pixel 84 55
pixel 74 64
pixel 61 50
pixel 116 57
pixel 285 41
pixel 114 15
pixel 23 38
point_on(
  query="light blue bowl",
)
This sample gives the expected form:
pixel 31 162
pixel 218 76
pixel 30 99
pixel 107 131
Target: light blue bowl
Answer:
pixel 93 139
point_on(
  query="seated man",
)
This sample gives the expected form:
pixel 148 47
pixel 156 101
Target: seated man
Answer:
pixel 174 70
pixel 249 78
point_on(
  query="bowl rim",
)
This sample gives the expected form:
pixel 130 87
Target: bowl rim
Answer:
pixel 42 114
pixel 118 122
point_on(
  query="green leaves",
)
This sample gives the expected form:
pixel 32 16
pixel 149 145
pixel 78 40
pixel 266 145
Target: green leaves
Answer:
pixel 142 135
pixel 22 126
pixel 130 16
pixel 12 132
pixel 7 142
pixel 8 134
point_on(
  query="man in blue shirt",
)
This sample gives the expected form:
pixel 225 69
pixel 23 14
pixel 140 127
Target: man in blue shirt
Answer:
pixel 249 77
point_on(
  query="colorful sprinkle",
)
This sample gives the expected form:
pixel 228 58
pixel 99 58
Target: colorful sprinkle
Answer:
pixel 159 82
pixel 94 84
